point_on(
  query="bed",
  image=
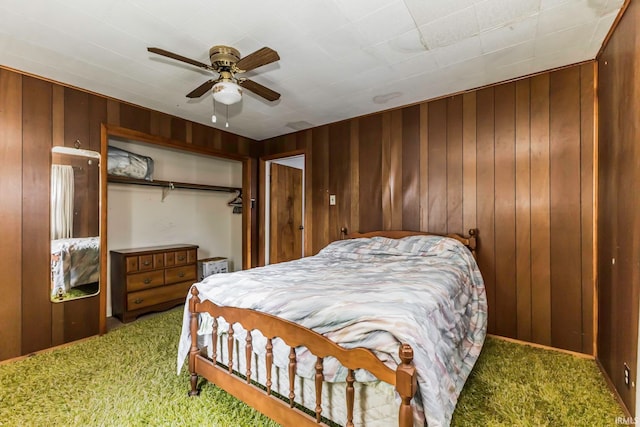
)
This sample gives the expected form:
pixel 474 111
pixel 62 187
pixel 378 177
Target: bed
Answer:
pixel 396 319
pixel 74 262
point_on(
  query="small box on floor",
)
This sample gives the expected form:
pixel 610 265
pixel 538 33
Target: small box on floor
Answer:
pixel 209 266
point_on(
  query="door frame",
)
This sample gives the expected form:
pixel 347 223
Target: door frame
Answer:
pixel 265 196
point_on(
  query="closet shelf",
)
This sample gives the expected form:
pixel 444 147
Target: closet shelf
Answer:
pixel 171 184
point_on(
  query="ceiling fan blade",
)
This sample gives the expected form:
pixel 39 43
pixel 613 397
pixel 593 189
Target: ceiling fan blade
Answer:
pixel 260 90
pixel 202 89
pixel 257 59
pixel 180 58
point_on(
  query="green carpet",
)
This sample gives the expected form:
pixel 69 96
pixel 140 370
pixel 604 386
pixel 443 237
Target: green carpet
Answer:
pixel 127 378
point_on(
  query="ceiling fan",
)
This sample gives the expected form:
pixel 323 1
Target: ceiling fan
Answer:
pixel 227 63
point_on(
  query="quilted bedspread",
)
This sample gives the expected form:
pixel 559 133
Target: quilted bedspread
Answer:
pixel 376 293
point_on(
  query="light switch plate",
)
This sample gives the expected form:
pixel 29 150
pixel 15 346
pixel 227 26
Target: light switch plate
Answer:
pixel 332 199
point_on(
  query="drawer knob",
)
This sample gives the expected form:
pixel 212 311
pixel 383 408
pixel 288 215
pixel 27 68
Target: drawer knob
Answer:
pixel 181 258
pixel 147 262
pixel 181 274
pixel 138 300
pixel 147 281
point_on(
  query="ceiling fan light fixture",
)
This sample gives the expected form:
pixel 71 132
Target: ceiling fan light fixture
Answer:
pixel 227 92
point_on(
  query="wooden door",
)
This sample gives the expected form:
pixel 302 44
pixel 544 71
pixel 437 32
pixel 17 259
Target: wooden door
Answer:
pixel 285 213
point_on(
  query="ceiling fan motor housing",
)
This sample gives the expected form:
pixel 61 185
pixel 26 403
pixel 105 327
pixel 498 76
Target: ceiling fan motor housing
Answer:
pixel 223 56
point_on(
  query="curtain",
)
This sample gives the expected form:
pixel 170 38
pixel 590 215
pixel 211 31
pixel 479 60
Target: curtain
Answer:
pixel 61 201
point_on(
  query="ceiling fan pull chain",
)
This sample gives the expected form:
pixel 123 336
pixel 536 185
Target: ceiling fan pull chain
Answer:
pixel 227 122
pixel 213 117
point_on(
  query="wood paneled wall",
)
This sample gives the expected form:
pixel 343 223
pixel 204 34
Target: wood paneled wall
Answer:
pixel 35 115
pixel 618 203
pixel 513 160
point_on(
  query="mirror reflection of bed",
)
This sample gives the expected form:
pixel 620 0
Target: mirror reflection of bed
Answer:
pixel 75 223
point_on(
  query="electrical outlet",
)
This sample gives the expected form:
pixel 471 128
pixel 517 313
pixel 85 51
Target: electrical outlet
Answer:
pixel 627 376
pixel 332 199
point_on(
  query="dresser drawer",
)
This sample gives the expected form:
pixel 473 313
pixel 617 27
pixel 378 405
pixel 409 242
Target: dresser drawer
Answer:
pixel 132 264
pixel 158 260
pixel 149 297
pixel 145 262
pixel 180 274
pixel 149 279
pixel 181 257
pixel 169 259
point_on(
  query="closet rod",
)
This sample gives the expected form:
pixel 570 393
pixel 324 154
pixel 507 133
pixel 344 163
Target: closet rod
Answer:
pixel 171 184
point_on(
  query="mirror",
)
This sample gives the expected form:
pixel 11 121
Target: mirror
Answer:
pixel 75 223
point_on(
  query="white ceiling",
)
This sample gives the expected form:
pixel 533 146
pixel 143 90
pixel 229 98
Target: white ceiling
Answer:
pixel 339 58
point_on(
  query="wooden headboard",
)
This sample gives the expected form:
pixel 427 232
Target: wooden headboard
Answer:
pixel 469 241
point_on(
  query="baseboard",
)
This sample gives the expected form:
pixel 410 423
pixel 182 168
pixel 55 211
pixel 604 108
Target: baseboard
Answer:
pixel 544 347
pixel 613 389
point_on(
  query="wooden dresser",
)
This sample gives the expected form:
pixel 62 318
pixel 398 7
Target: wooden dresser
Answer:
pixel 151 279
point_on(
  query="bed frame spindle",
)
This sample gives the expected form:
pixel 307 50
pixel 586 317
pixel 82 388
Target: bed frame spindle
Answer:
pixel 350 395
pixel 193 351
pixel 248 350
pixel 406 385
pixel 319 380
pixel 292 373
pixel 214 340
pixel 269 361
pixel 230 344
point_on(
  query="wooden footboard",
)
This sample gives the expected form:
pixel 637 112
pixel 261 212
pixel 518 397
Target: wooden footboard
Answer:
pixel 294 335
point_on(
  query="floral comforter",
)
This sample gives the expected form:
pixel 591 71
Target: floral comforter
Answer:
pixel 376 293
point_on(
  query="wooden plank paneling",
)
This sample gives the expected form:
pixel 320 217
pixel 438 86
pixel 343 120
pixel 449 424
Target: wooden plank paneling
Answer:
pixel 11 212
pixel 36 255
pixel 202 136
pixel 469 161
pixel 160 124
pixel 178 129
pixel 437 167
pixel 486 196
pixel 320 182
pixel 454 164
pixel 587 199
pixel 97 116
pixel 505 218
pixel 618 205
pixel 113 112
pixel 57 112
pixel 482 160
pixel 135 118
pixel 307 137
pixel 411 168
pixel 80 319
pixel 424 167
pixel 523 209
pixel 540 228
pixel 339 178
pixel 385 175
pixel 76 118
pixel 354 155
pixel 370 150
pixel 564 179
pixel 395 171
